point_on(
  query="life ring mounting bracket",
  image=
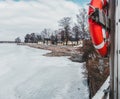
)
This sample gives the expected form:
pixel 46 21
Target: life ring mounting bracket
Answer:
pixel 101 18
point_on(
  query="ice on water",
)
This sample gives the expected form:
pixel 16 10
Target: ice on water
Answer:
pixel 26 74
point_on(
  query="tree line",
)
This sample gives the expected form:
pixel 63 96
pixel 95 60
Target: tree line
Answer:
pixel 68 31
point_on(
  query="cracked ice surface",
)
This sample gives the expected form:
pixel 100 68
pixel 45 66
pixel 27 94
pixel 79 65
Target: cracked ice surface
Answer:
pixel 26 74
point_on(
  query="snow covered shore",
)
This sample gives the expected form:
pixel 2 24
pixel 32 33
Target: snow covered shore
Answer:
pixel 74 52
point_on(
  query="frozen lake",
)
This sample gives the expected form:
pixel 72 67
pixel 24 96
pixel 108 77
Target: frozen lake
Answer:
pixel 26 74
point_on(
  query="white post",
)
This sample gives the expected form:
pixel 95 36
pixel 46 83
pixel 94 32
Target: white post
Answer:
pixel 115 49
pixel 118 43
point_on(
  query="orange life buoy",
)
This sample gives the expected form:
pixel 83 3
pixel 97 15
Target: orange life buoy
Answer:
pixel 97 32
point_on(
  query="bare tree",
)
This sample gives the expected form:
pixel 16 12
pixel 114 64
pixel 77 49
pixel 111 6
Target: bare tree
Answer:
pixel 56 39
pixel 82 22
pixel 27 38
pixel 62 33
pixel 65 23
pixel 38 37
pixel 76 31
pixel 32 38
pixel 18 40
pixel 52 39
pixel 45 34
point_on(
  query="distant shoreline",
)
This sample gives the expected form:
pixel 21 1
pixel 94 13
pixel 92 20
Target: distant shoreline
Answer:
pixel 2 42
pixel 58 50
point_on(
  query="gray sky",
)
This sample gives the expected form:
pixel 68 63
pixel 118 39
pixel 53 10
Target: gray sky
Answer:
pixel 19 17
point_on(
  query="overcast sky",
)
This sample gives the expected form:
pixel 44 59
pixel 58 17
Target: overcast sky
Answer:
pixel 19 17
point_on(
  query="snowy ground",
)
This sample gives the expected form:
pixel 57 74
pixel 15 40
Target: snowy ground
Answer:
pixel 26 74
